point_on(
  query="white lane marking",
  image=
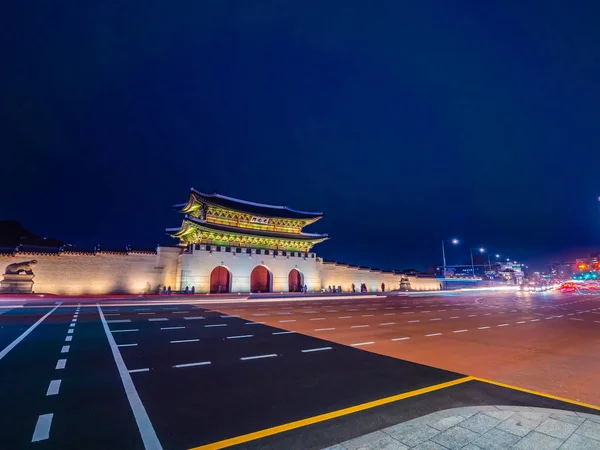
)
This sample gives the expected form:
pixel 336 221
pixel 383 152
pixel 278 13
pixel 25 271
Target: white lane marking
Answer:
pixel 145 314
pixel 400 339
pixel 359 326
pixel 124 331
pixel 282 332
pixel 559 316
pixel 181 312
pixel 261 314
pixel 389 314
pixel 14 343
pixel 280 313
pixel 367 315
pixel 410 312
pixel 332 310
pixel 42 428
pixel 362 343
pixel 433 334
pixel 483 328
pixel 215 325
pixel 172 328
pixel 193 318
pixel 158 319
pixel 68 338
pixel 371 309
pixel 254 323
pixel 119 321
pixel 487 314
pixel 139 370
pixel 60 364
pixel 387 323
pixel 202 363
pixel 248 358
pixel 318 318
pixel 65 349
pixel 522 321
pixel 127 345
pixel 324 329
pixel 141 416
pixel 534 320
pixel 435 319
pixel 181 341
pixel 310 350
pixel 460 331
pixel 413 321
pixel 573 318
pixel 503 325
pixel 116 314
pixel 53 388
pixel 283 321
pixel 345 317
pixel 72 325
pixel 112 310
pixel 240 336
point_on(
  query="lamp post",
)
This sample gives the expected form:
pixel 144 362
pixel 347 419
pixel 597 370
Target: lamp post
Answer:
pixel 454 242
pixel 481 250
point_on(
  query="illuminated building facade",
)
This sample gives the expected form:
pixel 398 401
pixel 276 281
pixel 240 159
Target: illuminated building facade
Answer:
pixel 226 245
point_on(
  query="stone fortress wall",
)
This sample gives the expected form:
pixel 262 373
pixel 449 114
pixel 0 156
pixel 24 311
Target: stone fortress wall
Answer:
pixel 72 273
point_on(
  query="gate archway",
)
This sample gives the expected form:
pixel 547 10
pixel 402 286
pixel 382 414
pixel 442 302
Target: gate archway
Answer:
pixel 260 279
pixel 220 280
pixel 295 281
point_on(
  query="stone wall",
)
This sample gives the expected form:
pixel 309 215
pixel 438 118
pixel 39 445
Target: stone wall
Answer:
pixel 333 274
pixel 198 263
pixel 99 273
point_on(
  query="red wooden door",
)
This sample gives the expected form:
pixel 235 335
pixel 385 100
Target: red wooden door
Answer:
pixel 294 281
pixel 260 280
pixel 219 280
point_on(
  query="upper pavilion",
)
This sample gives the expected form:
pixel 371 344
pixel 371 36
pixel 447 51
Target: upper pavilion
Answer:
pixel 220 220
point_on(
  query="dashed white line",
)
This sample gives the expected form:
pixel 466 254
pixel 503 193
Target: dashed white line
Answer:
pixel 65 349
pixel 433 334
pixel 345 317
pixel 138 370
pixel 158 319
pixel 215 325
pixel 202 363
pixel 53 388
pixel 240 336
pixel 460 331
pixel 318 318
pixel 359 326
pixel 248 358
pixel 282 332
pixel 172 328
pixel 534 320
pixel 72 325
pixel 60 364
pixel 436 319
pixel 522 321
pixel 400 339
pixel 413 321
pixel 284 321
pixel 254 323
pixel 310 350
pixel 145 314
pixel 573 318
pixel 362 343
pixel 68 338
pixel 42 428
pixel 324 329
pixel 193 318
pixel 502 325
pixel 124 331
pixel 387 323
pixel 182 341
pixel 127 345
pixel 483 328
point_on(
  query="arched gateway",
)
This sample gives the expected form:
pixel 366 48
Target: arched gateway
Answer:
pixel 295 281
pixel 220 280
pixel 260 279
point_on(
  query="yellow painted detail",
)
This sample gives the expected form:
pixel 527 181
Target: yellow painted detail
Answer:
pixel 331 415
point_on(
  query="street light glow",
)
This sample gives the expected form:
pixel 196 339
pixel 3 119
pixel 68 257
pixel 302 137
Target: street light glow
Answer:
pixel 455 241
pixel 481 250
pixel 497 255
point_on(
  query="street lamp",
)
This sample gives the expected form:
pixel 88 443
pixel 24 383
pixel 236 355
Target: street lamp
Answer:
pixel 453 242
pixel 481 250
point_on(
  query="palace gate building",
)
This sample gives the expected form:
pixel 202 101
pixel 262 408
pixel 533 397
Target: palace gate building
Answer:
pixel 225 245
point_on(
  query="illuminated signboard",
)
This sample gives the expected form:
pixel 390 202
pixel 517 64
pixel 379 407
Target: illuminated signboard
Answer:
pixel 261 220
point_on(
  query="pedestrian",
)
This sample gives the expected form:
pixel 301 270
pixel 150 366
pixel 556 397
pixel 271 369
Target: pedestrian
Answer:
pixel 305 289
pixel 353 288
pixel 193 290
pixel 382 287
pixel 169 290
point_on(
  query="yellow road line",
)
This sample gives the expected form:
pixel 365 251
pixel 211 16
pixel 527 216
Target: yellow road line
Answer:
pixel 541 394
pixel 327 416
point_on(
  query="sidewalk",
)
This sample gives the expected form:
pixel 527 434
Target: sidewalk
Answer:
pixel 486 428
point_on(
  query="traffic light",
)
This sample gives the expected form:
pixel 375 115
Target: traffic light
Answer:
pixel 581 266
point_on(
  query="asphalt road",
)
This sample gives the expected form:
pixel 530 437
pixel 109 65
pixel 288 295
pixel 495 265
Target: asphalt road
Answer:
pixel 176 375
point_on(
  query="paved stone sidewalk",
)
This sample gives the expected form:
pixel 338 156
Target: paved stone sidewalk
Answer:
pixel 486 428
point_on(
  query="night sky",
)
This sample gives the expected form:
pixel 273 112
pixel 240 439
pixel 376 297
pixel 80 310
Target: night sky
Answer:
pixel 404 122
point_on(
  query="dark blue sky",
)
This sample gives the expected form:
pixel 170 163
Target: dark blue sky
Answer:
pixel 402 123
